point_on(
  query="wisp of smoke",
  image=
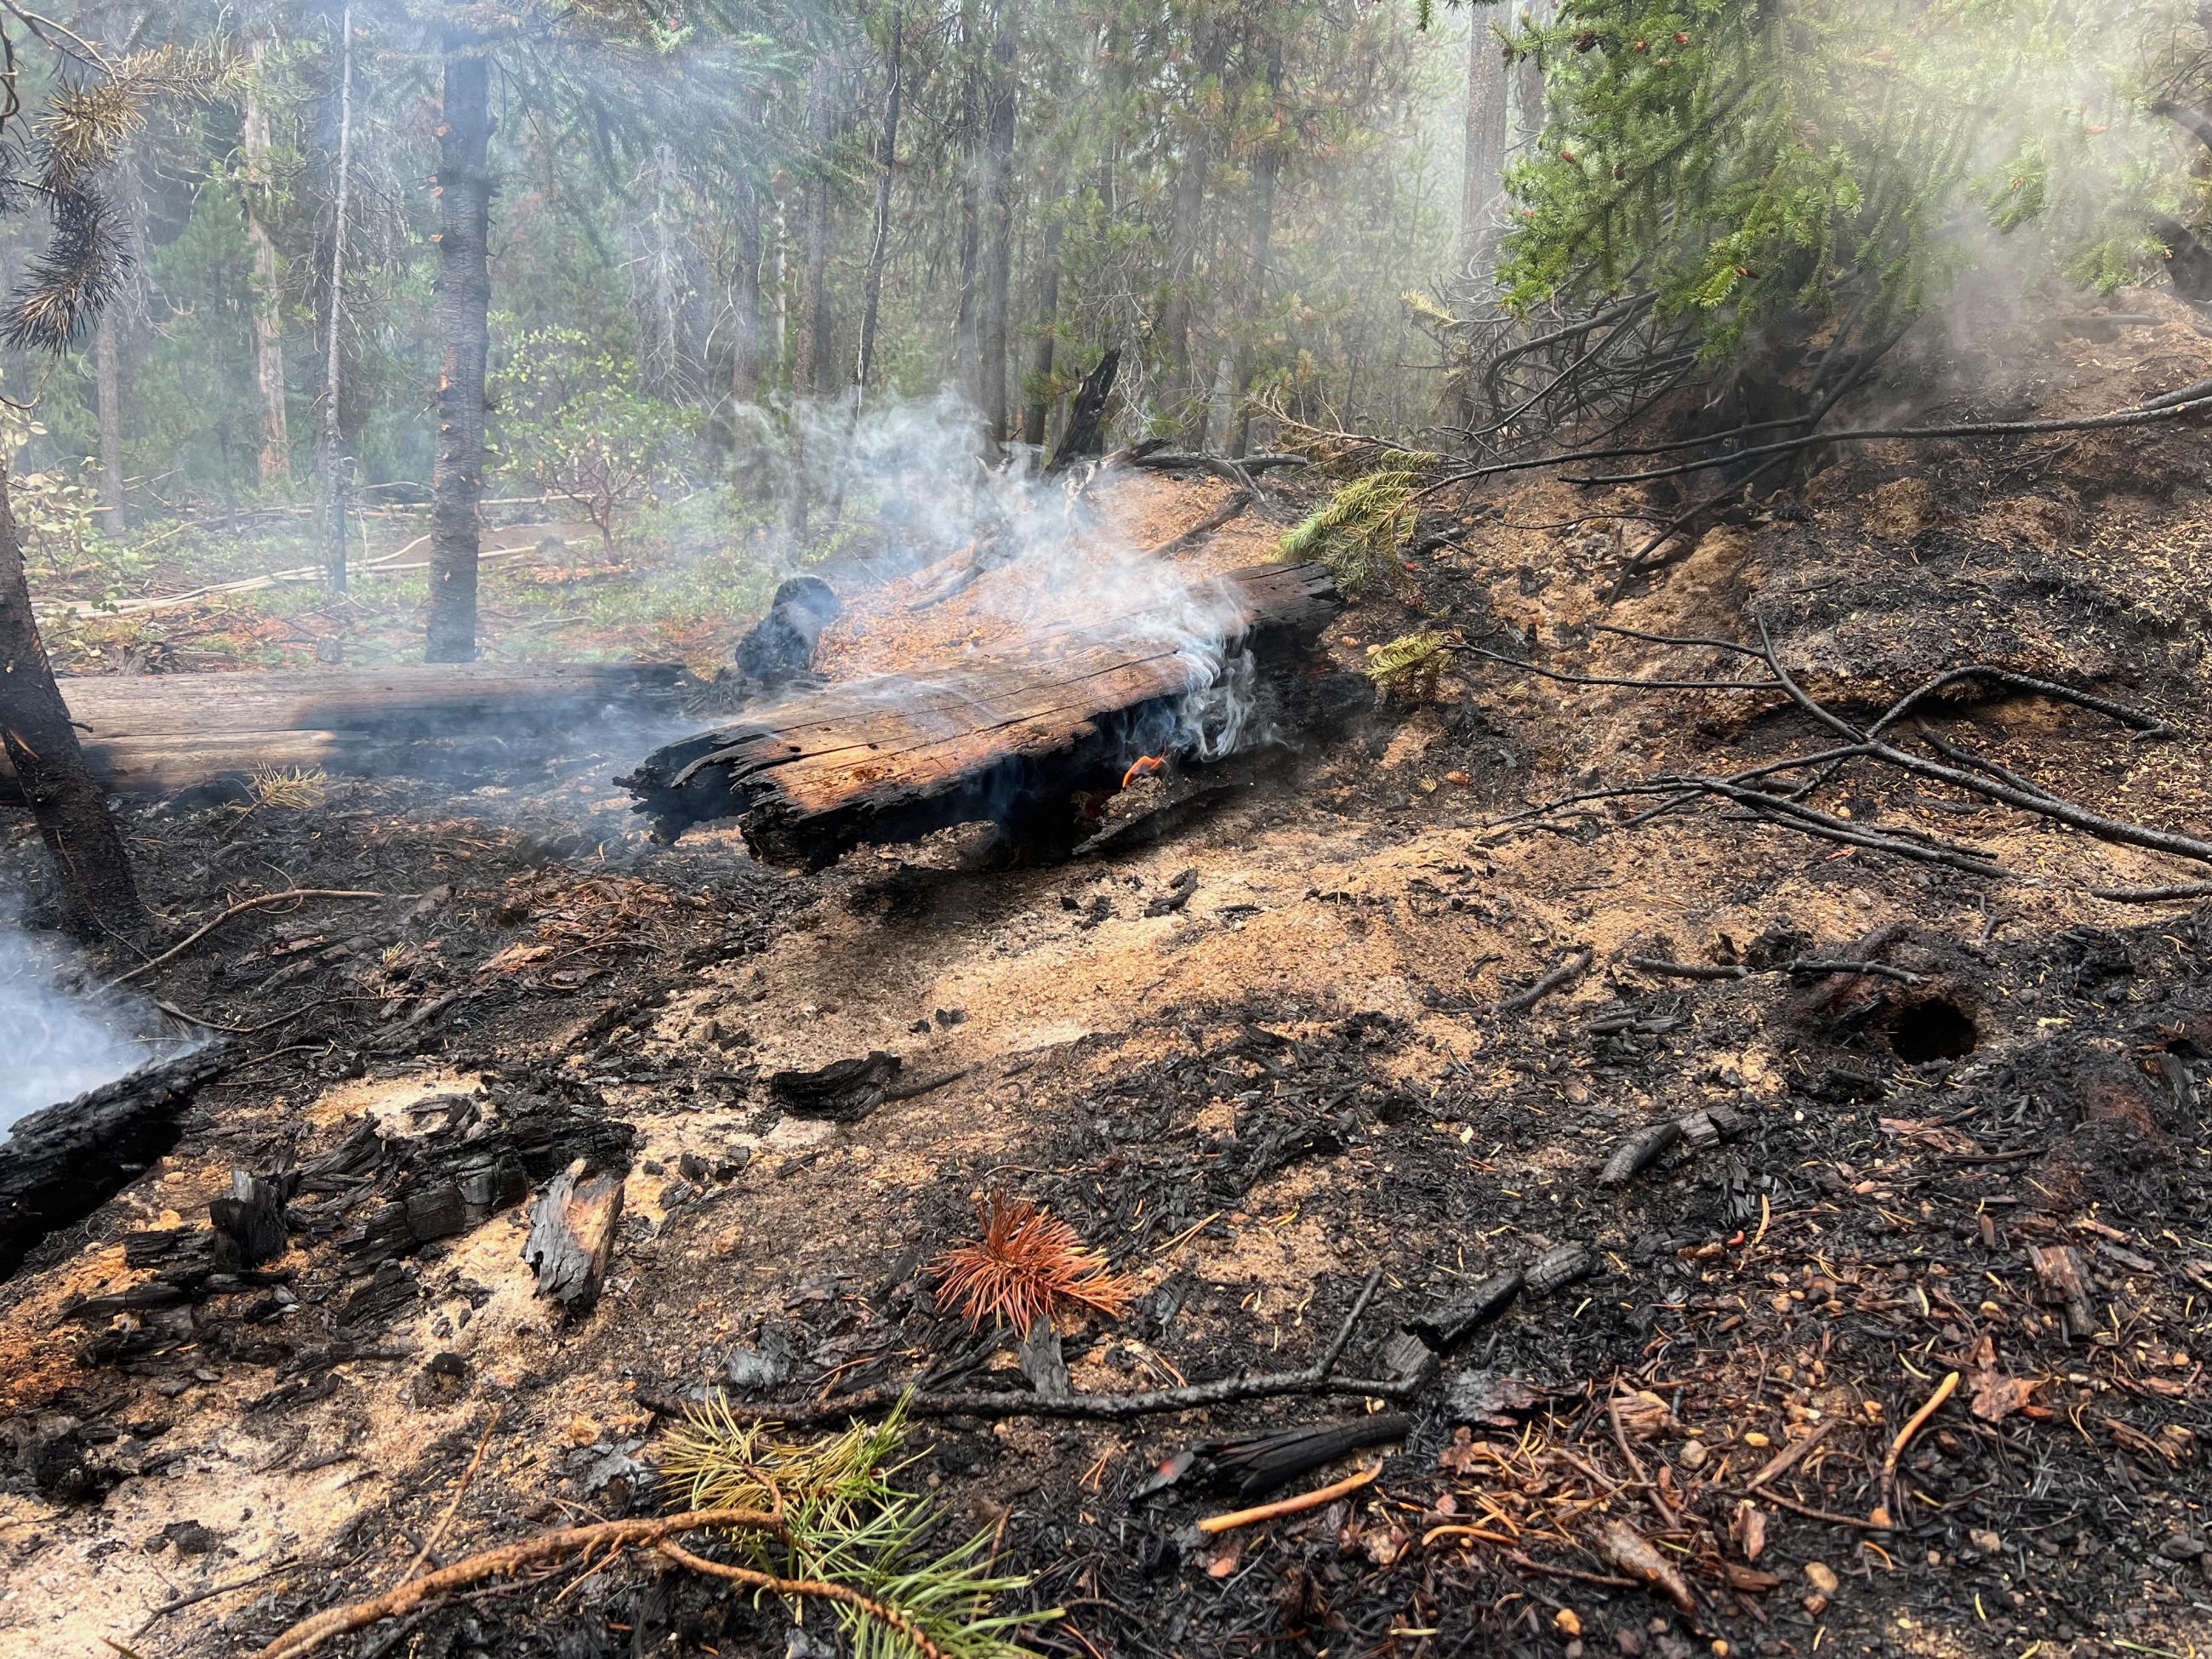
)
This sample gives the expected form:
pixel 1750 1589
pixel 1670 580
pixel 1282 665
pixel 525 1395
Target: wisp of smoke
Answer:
pixel 59 1043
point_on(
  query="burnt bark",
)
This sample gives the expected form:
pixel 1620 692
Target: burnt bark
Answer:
pixel 99 897
pixel 464 289
pixel 1086 417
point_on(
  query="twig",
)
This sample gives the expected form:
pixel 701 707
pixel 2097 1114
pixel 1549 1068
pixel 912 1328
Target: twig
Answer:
pixel 929 1086
pixel 1610 1580
pixel 208 1595
pixel 309 1634
pixel 1791 1454
pixel 452 1509
pixel 1855 1522
pixel 1881 434
pixel 239 909
pixel 1944 1390
pixel 2187 890
pixel 1575 965
pixel 1304 1501
pixel 801 1588
pixel 1465 649
pixel 1318 1378
pixel 1206 526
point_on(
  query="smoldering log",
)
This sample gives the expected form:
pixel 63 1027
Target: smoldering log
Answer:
pixel 1005 737
pixel 155 733
pixel 60 1165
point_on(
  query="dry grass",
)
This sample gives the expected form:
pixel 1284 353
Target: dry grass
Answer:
pixel 1027 1266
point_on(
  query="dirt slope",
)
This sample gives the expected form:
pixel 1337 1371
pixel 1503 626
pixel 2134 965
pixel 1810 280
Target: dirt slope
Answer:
pixel 1249 1097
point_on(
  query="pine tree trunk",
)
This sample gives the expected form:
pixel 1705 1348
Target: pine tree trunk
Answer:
pixel 966 323
pixel 275 452
pixel 748 346
pixel 331 461
pixel 810 364
pixel 464 191
pixel 1489 92
pixel 107 381
pixel 879 243
pixel 99 899
pixel 1039 407
pixel 1187 219
pixel 998 251
pixel 1266 167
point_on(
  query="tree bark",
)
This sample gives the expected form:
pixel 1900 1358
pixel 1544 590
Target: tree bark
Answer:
pixel 1039 407
pixel 1489 91
pixel 879 243
pixel 331 443
pixel 1266 167
pixel 99 897
pixel 276 451
pixel 464 192
pixel 1187 221
pixel 810 367
pixel 999 205
pixel 748 351
pixel 966 323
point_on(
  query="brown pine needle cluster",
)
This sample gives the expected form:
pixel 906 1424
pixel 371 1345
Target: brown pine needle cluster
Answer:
pixel 1026 1266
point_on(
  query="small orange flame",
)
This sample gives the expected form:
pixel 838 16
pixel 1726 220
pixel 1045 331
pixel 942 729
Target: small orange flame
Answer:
pixel 1145 767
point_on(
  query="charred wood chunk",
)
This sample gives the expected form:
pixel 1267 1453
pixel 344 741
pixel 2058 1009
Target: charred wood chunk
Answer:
pixel 173 1248
pixel 845 1090
pixel 780 646
pixel 249 1224
pixel 2063 1281
pixel 1555 1270
pixel 1638 1151
pixel 1447 1328
pixel 572 1236
pixel 1086 416
pixel 379 1300
pixel 1257 1467
pixel 1041 1361
pixel 58 1165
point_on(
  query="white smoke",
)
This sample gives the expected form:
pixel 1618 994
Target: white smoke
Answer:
pixel 60 1042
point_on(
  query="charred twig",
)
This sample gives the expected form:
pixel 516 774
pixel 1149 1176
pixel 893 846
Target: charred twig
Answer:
pixel 1318 1378
pixel 1791 1456
pixel 1206 526
pixel 2140 416
pixel 798 1588
pixel 2187 890
pixel 1575 965
pixel 239 909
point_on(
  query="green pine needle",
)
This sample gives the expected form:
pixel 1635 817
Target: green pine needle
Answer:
pixel 1364 524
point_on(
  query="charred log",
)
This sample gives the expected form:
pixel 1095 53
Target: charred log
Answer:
pixel 1086 417
pixel 1008 738
pixel 151 735
pixel 62 1164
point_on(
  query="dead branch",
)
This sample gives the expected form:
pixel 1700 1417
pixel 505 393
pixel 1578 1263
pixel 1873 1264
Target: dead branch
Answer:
pixel 1572 967
pixel 239 909
pixel 1206 526
pixel 1318 1378
pixel 2124 417
pixel 311 1633
pixel 2187 890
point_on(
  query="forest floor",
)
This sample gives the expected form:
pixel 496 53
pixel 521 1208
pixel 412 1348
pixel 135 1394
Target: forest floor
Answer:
pixel 1305 1068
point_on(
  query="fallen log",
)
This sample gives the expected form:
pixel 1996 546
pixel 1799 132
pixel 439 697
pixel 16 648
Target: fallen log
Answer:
pixel 155 733
pixel 1006 737
pixel 60 1165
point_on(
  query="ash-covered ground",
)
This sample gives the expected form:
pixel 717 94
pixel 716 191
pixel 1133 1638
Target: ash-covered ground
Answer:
pixel 1253 1062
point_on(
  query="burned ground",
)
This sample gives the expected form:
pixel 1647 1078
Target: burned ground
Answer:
pixel 1253 1060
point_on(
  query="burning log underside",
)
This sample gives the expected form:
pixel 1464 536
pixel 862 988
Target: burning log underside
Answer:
pixel 1005 737
pixel 154 733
